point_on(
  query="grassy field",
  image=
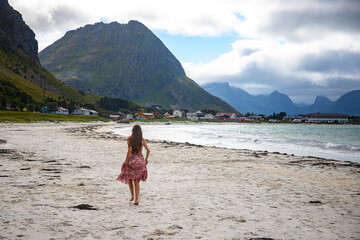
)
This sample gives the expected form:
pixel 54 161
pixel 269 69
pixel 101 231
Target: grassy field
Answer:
pixel 25 117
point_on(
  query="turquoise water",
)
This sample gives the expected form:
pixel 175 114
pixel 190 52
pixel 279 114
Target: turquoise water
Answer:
pixel 340 142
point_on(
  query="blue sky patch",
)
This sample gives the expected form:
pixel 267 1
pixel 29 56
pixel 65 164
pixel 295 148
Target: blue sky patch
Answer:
pixel 196 49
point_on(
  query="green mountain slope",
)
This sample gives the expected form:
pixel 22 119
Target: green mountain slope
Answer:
pixel 126 61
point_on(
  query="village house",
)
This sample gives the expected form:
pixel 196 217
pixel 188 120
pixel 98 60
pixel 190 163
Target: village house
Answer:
pixel 177 113
pixel 273 120
pixel 61 110
pixel 245 119
pixel 250 118
pixel 225 116
pixel 156 115
pixel 45 110
pixel 118 115
pixel 168 115
pixel 130 116
pixel 191 116
pixel 199 116
pixel 326 117
pixel 144 115
pixel 85 112
pixel 293 118
pixel 208 116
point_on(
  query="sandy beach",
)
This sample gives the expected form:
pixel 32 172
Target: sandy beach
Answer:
pixel 58 182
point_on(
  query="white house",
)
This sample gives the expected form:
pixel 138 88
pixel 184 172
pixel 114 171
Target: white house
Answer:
pixel 293 118
pixel 191 116
pixel 61 110
pixel 224 116
pixel 117 115
pixel 85 112
pixel 326 117
pixel 250 118
pixel 208 116
pixel 177 113
pixel 130 116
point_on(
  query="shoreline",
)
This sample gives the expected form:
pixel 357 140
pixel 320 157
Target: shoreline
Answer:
pixel 52 173
pixel 321 153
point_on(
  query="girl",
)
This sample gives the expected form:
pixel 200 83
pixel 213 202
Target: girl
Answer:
pixel 134 167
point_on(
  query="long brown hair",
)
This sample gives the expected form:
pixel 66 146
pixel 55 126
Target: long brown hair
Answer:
pixel 136 139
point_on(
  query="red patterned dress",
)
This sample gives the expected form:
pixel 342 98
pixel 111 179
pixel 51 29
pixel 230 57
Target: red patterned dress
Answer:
pixel 134 169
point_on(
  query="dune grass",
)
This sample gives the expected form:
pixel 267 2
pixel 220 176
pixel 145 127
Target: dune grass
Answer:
pixel 27 117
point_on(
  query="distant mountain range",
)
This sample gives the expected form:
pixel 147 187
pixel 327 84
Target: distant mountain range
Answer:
pixel 244 102
pixel 126 61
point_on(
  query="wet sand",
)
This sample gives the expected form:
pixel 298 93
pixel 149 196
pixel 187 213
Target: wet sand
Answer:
pixel 58 182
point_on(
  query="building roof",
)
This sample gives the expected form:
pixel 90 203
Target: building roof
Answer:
pixel 148 114
pixel 325 115
pixel 84 109
pixel 62 109
pixel 229 114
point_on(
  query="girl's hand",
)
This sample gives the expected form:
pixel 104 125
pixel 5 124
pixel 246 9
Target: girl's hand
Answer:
pixel 124 164
pixel 146 161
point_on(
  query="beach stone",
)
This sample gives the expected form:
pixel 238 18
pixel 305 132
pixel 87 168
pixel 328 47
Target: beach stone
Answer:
pixel 84 166
pixel 85 207
pixel 6 151
pixel 174 227
pixel 261 238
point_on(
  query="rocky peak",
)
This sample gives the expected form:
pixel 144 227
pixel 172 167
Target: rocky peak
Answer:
pixel 15 34
pixel 322 100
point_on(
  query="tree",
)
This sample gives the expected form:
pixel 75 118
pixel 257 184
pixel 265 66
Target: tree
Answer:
pixel 52 106
pixel 3 102
pixel 278 116
pixel 249 114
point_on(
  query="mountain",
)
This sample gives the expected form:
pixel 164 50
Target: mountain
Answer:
pixel 321 104
pixel 245 102
pixel 22 78
pixel 126 61
pixel 348 103
pixel 15 34
pixel 237 97
pixel 277 102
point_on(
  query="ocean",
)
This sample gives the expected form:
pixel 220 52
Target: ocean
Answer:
pixel 339 142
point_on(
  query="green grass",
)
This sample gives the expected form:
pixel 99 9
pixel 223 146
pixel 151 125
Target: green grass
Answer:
pixel 28 117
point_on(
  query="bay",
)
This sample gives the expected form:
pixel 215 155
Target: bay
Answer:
pixel 339 142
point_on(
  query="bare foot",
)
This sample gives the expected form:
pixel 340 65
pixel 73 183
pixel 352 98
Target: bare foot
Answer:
pixel 136 202
pixel 131 199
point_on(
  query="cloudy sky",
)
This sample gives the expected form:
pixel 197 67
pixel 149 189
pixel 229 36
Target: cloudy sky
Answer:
pixel 301 48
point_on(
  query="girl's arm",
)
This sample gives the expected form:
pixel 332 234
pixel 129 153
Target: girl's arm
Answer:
pixel 128 153
pixel 147 151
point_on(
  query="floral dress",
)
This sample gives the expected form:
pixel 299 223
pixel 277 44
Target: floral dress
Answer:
pixel 134 169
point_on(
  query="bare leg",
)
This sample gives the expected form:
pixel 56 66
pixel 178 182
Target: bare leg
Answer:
pixel 137 191
pixel 131 186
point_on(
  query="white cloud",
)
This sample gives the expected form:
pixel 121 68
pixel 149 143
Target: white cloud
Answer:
pixel 261 66
pixel 276 38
